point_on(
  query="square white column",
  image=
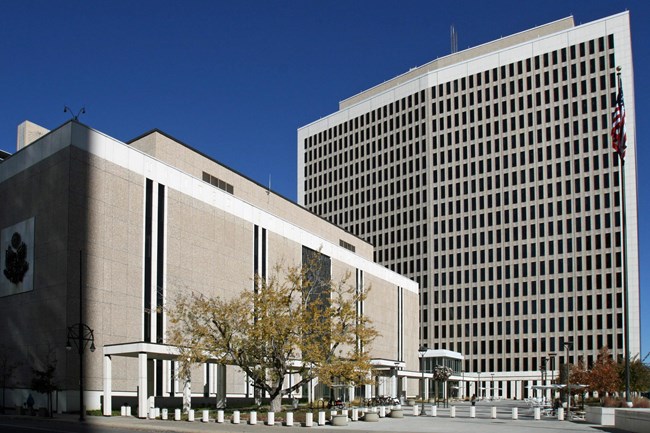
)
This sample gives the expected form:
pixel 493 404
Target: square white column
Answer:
pixel 108 382
pixel 143 404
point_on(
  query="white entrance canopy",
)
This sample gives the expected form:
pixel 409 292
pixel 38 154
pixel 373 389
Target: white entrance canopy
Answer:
pixel 575 387
pixel 546 387
pixel 387 363
pixel 143 351
pixel 414 374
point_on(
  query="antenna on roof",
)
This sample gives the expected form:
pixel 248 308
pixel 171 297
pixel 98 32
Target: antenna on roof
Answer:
pixel 454 39
pixel 67 109
pixel 268 190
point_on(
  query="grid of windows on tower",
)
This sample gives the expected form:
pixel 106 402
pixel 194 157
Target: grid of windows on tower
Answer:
pixel 499 194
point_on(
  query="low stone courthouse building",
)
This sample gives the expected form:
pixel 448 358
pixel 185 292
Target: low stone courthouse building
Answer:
pixel 97 235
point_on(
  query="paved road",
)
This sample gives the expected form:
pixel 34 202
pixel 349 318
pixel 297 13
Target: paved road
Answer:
pixel 440 424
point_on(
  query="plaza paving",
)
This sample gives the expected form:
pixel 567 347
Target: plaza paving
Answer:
pixel 443 423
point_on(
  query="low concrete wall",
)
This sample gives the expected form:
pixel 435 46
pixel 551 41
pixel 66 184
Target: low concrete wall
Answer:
pixel 633 420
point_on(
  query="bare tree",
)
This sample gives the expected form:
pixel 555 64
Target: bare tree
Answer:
pixel 43 380
pixel 7 367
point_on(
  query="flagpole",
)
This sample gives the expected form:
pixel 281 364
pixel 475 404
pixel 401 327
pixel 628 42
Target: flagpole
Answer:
pixel 626 304
pixel 625 292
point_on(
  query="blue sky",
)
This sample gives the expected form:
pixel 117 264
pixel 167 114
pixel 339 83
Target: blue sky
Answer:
pixel 236 79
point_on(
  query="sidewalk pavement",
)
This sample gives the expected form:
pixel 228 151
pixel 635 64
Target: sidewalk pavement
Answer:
pixel 443 423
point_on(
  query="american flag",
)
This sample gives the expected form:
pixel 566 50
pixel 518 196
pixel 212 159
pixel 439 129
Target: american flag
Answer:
pixel 619 136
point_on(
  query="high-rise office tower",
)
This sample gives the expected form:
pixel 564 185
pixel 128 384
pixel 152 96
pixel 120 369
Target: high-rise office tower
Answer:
pixel 489 177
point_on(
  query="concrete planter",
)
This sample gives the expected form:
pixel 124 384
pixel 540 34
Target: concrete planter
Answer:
pixel 601 415
pixel 396 413
pixel 339 420
pixel 371 417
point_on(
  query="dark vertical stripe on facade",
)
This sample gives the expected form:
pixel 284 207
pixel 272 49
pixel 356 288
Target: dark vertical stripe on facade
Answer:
pixel 256 242
pixel 159 377
pixel 160 256
pixel 172 375
pixel 264 253
pixel 148 223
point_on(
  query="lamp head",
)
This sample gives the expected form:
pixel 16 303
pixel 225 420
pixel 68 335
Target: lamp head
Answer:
pixel 92 346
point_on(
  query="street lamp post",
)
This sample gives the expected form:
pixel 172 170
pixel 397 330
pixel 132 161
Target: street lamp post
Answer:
pixel 422 351
pixel 568 345
pixel 480 390
pixel 81 335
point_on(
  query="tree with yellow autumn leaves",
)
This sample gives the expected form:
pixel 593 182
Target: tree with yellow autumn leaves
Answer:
pixel 293 322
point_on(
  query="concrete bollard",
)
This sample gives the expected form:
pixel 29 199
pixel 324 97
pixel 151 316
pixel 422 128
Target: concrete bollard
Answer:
pixel 333 413
pixel 177 414
pixel 235 417
pixel 289 419
pixel 128 410
pixel 206 416
pixel 156 411
pixel 190 416
pixel 452 412
pixel 493 412
pixel 152 413
pixel 560 414
pixel 321 418
pixel 344 412
pixel 123 411
pixel 220 416
pixel 309 419
pixel 382 411
pixel 164 414
pixel 270 418
pixel 472 412
pixel 355 414
pixel 416 410
pixel 434 410
pixel 515 413
pixel 536 413
pixel 252 418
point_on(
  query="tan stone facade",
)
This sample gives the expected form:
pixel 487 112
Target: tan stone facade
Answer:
pixel 140 220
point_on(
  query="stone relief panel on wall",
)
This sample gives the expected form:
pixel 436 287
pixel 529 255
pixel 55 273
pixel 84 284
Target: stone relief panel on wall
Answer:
pixel 17 243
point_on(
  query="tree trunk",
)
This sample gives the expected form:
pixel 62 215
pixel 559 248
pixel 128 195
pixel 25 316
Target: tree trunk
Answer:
pixel 276 404
pixel 187 395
